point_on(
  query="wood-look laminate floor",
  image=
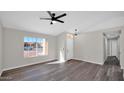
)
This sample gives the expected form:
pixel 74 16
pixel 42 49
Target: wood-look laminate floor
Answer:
pixel 70 71
pixel 112 60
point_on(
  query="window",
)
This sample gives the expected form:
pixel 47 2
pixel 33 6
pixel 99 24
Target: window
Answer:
pixel 34 47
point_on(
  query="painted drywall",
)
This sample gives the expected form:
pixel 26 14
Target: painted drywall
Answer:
pixel 14 48
pixel 89 46
pixel 85 20
pixel 1 41
pixel 122 48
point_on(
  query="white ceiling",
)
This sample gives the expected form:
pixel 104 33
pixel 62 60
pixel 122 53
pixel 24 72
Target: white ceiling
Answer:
pixel 81 20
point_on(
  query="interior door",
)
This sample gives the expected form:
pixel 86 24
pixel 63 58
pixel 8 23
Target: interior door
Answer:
pixel 61 48
pixel 69 48
pixel 113 47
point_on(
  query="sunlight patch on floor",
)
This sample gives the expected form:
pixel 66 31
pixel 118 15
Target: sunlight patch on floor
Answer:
pixel 57 62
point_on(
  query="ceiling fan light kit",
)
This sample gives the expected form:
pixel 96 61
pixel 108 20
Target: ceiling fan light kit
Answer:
pixel 76 33
pixel 53 18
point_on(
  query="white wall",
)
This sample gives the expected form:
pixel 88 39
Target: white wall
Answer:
pixel 1 44
pixel 122 48
pixel 14 47
pixel 89 46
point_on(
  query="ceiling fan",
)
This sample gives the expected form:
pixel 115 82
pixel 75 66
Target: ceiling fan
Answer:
pixel 53 18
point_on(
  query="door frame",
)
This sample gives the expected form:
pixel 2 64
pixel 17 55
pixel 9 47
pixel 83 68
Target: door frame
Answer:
pixel 105 42
pixel 71 37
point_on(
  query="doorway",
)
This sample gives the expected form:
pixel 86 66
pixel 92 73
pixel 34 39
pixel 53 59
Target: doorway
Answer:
pixel 112 48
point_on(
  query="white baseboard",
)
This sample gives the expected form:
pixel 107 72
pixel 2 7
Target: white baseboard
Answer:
pixel 89 61
pixel 5 69
pixel 122 67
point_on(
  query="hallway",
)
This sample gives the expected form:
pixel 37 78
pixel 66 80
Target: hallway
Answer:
pixel 112 60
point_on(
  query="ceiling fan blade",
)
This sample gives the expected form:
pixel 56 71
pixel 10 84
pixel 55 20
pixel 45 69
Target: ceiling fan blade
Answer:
pixel 61 16
pixel 45 18
pixel 60 21
pixel 50 13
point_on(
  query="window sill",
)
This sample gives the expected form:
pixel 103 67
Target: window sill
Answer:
pixel 37 56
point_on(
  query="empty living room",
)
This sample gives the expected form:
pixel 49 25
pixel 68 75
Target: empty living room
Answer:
pixel 61 45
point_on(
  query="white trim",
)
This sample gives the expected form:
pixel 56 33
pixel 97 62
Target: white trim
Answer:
pixel 89 61
pixel 5 69
pixel 122 67
pixel 123 73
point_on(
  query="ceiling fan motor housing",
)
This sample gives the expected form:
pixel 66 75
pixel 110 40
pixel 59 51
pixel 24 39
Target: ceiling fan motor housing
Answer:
pixel 54 17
